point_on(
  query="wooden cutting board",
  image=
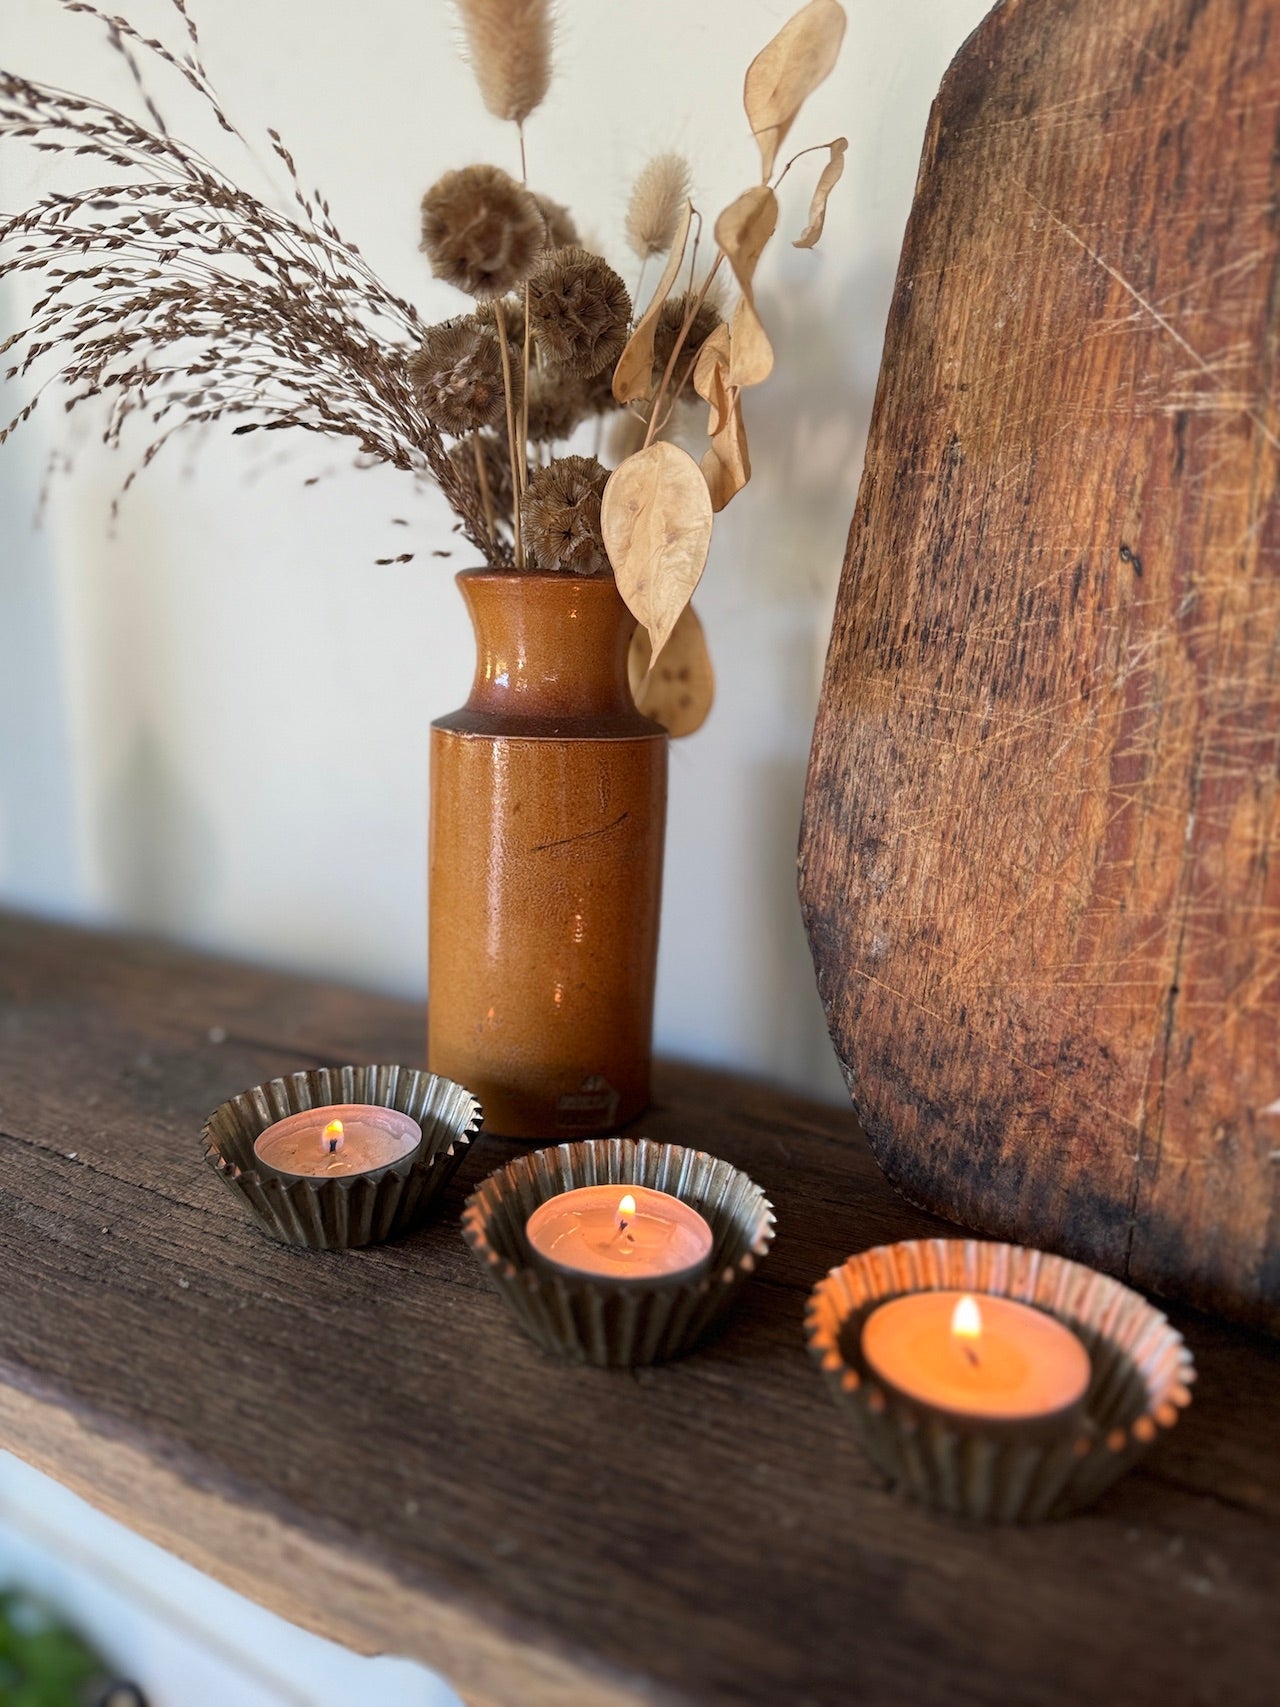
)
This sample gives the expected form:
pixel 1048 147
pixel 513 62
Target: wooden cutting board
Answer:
pixel 1040 863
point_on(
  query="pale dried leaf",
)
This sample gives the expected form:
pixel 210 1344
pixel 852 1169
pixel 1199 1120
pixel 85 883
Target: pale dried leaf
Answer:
pixel 785 73
pixel 752 360
pixel 633 376
pixel 726 467
pixel 742 231
pixel 656 521
pixel 711 377
pixel 679 693
pixel 831 174
pixel 744 228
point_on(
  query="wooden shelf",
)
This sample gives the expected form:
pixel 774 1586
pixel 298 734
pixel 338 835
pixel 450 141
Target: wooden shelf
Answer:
pixel 365 1443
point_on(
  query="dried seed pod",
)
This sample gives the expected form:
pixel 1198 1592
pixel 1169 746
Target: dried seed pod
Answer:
pixel 482 231
pixel 705 321
pixel 557 404
pixel 597 393
pixel 561 231
pixel 512 318
pixel 561 515
pixel 626 436
pixel 580 311
pixel 457 376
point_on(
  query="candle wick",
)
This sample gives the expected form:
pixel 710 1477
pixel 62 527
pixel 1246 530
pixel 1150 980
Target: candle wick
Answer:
pixel 972 1355
pixel 622 1228
pixel 333 1146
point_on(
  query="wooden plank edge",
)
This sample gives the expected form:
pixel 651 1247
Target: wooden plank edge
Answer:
pixel 310 1582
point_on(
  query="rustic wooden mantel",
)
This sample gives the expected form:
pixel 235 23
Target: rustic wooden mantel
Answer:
pixel 366 1444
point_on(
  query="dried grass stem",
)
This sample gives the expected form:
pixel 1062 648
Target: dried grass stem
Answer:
pixel 184 300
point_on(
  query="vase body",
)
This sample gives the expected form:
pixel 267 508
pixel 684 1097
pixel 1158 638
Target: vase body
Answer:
pixel 548 815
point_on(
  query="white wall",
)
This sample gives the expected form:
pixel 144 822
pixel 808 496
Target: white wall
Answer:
pixel 213 721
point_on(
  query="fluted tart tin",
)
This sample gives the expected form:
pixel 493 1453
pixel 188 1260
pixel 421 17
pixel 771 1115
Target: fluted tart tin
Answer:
pixel 1141 1372
pixel 606 1322
pixel 339 1212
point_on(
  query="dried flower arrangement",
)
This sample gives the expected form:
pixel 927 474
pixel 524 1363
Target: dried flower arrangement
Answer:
pixel 186 300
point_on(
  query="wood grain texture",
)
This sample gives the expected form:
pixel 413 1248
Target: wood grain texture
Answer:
pixel 364 1441
pixel 1039 861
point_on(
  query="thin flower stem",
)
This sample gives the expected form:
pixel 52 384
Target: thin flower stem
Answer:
pixel 517 483
pixel 677 392
pixel 689 315
pixel 693 257
pixel 524 396
pixel 816 148
pixel 482 479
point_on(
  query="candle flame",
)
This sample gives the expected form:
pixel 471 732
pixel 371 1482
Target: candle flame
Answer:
pixel 331 1137
pixel 627 1208
pixel 966 1320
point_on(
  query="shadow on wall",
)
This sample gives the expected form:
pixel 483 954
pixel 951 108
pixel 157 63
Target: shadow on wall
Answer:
pixel 808 430
pixel 798 1025
pixel 735 819
pixel 39 857
pixel 153 842
pixel 156 852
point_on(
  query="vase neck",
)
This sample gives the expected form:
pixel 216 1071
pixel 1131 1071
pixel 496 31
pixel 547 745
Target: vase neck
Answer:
pixel 548 646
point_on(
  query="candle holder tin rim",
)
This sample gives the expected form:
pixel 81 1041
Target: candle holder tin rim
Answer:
pixel 335 1212
pixel 599 1319
pixel 1023 1478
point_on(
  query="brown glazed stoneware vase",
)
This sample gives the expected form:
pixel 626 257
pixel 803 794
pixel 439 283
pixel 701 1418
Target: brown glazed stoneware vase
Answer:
pixel 548 814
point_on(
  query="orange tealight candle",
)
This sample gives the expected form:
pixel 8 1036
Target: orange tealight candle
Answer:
pixel 986 1358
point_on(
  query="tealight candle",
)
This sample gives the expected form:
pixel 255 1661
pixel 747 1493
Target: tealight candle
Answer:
pixel 990 1359
pixel 620 1232
pixel 328 1143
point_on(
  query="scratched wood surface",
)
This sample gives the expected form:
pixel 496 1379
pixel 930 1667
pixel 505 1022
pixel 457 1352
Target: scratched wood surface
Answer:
pixel 1039 860
pixel 363 1440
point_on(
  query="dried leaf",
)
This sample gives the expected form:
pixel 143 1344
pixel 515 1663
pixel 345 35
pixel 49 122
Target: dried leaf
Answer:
pixel 752 352
pixel 656 520
pixel 744 228
pixel 785 73
pixel 831 174
pixel 726 467
pixel 679 693
pixel 633 376
pixel 742 231
pixel 711 377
